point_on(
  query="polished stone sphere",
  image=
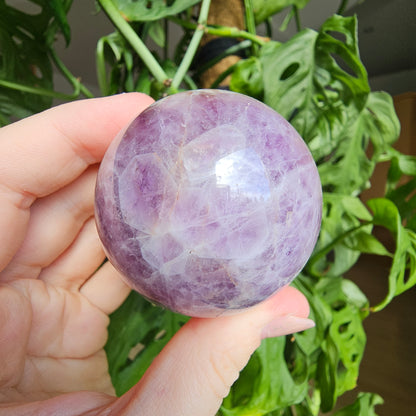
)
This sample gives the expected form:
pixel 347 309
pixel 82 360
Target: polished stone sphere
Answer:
pixel 208 203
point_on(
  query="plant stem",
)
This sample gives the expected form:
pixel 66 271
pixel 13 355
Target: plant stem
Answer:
pixel 100 65
pixel 297 18
pixel 233 32
pixel 166 45
pixel 135 42
pixel 269 27
pixel 75 82
pixel 293 410
pixel 193 46
pixel 325 250
pixel 342 7
pixel 250 22
pixel 38 91
pixel 190 82
pixel 223 31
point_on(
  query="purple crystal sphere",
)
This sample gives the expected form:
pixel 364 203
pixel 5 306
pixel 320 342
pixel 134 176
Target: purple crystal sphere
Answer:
pixel 208 203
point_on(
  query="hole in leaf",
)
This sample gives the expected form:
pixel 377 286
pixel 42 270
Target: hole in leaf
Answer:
pixel 149 5
pixel 152 335
pixel 160 334
pixel 331 95
pixel 36 71
pixel 289 353
pixel 25 32
pixel 337 35
pixel 341 369
pixel 408 274
pixel 293 115
pixel 289 71
pixel 343 64
pixel 368 146
pixel 338 305
pixel 328 210
pixel 329 187
pixel 354 357
pixel 17 40
pixel 330 257
pixel 25 6
pixel 321 160
pixel 135 351
pixel 337 159
pixel 330 88
pixel 343 327
pixel 294 361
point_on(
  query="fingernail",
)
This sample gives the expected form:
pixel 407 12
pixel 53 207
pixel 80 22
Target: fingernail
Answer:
pixel 284 325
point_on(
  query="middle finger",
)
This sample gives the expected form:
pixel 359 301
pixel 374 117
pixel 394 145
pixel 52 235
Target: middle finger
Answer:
pixel 55 222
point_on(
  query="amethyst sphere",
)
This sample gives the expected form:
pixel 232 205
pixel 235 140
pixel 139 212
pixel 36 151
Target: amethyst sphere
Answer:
pixel 209 202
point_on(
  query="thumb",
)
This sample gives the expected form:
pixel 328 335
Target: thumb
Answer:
pixel 195 371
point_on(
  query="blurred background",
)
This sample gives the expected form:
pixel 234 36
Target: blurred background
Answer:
pixel 387 38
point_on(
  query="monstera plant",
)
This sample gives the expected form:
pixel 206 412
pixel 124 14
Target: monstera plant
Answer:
pixel 317 81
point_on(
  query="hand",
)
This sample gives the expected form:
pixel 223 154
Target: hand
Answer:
pixel 55 300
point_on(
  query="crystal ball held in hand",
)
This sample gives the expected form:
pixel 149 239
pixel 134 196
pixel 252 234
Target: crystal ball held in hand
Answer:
pixel 208 203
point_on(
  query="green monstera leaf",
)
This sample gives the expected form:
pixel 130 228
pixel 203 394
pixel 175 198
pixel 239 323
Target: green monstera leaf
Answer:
pixel 263 9
pixel 146 10
pixel 137 333
pixel 26 63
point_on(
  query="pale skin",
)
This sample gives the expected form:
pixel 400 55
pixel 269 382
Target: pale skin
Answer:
pixel 54 303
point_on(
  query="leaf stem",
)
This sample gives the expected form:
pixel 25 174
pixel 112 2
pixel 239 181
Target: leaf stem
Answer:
pixel 100 66
pixel 325 250
pixel 297 18
pixel 293 410
pixel 269 27
pixel 250 22
pixel 38 91
pixel 191 83
pixel 342 7
pixel 75 82
pixel 193 46
pixel 223 31
pixel 166 44
pixel 135 42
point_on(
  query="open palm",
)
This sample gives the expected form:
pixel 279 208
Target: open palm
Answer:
pixel 56 293
pixel 61 301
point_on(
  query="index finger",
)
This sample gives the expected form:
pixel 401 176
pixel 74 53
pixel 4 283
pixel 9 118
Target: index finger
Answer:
pixel 47 151
pixel 43 153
